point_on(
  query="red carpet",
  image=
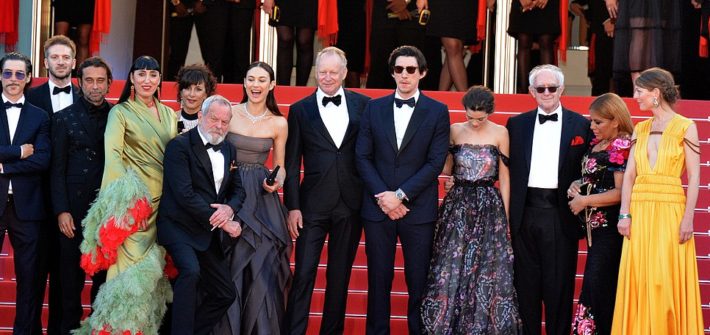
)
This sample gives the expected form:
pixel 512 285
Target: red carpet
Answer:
pixel 506 105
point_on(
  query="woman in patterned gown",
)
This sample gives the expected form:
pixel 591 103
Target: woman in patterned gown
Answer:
pixel 470 285
pixel 658 290
pixel 116 235
pixel 596 199
pixel 259 258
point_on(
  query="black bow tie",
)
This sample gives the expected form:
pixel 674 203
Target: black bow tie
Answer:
pixel 9 105
pixel 334 99
pixel 544 118
pixel 65 89
pixel 216 147
pixel 409 102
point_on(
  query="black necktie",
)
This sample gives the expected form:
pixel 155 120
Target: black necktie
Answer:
pixel 9 105
pixel 544 118
pixel 334 99
pixel 216 147
pixel 65 89
pixel 409 102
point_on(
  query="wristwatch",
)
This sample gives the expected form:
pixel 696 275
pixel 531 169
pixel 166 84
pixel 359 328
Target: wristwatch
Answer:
pixel 400 195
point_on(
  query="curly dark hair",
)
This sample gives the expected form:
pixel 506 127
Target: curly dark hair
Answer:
pixel 194 74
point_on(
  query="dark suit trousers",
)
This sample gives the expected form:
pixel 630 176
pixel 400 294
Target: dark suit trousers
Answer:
pixel 545 265
pixel 73 278
pixel 380 246
pixel 344 229
pixel 24 238
pixel 48 267
pixel 237 46
pixel 209 270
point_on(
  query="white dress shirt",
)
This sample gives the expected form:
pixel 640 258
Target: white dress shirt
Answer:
pixel 402 116
pixel 334 117
pixel 216 160
pixel 545 156
pixel 61 100
pixel 13 117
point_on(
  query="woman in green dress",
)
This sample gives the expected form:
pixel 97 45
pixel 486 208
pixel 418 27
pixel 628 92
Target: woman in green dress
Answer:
pixel 120 231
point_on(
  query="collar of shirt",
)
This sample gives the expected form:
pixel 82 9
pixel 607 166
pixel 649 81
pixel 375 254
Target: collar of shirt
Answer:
pixel 52 86
pixel 20 100
pixel 320 94
pixel 397 96
pixel 558 110
pixel 93 109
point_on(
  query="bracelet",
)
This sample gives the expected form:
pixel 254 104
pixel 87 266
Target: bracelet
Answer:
pixel 624 216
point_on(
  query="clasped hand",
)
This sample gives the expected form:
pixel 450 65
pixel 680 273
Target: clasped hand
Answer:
pixel 390 205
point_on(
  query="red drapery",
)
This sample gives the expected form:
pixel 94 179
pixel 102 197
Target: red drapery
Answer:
pixel 10 10
pixel 101 26
pixel 564 17
pixel 328 21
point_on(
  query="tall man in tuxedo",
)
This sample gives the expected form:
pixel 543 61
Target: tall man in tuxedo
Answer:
pixel 77 169
pixel 546 149
pixel 24 158
pixel 400 152
pixel 54 95
pixel 201 192
pixel 322 132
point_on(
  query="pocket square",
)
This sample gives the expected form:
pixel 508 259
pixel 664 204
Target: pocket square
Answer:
pixel 577 140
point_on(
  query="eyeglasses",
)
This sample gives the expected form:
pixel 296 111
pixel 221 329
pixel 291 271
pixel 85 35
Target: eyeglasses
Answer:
pixel 551 89
pixel 410 69
pixel 19 75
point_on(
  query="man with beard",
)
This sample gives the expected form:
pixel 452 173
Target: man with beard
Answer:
pixel 77 168
pixel 24 144
pixel 54 95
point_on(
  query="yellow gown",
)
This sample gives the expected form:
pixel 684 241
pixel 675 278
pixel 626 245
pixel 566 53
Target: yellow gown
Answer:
pixel 133 299
pixel 658 290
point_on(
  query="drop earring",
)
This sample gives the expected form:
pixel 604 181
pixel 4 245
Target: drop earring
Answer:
pixel 655 102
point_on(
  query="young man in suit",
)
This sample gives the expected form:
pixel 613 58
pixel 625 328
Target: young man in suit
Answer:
pixel 54 95
pixel 400 152
pixel 77 169
pixel 546 149
pixel 322 133
pixel 202 192
pixel 24 158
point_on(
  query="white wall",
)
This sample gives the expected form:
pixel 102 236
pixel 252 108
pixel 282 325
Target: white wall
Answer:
pixel 117 47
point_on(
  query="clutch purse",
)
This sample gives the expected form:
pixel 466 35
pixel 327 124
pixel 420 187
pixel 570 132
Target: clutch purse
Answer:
pixel 585 215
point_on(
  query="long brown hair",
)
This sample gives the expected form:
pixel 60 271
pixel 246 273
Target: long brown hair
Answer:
pixel 270 98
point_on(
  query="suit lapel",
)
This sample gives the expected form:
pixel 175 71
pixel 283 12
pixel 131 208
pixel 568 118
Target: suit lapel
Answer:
pixel 4 126
pixel 566 137
pixel 387 115
pixel 83 116
pixel 199 149
pixel 418 115
pixel 353 118
pixel 529 130
pixel 74 93
pixel 20 124
pixel 47 100
pixel 311 107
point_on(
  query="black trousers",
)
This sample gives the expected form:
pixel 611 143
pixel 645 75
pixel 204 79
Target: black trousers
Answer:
pixel 72 280
pixel 380 245
pixel 24 238
pixel 237 53
pixel 343 228
pixel 545 265
pixel 209 271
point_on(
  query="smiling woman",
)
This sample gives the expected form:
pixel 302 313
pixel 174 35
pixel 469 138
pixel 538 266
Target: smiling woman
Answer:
pixel 195 83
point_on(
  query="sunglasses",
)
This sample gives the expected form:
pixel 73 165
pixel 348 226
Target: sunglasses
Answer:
pixel 7 74
pixel 410 69
pixel 551 89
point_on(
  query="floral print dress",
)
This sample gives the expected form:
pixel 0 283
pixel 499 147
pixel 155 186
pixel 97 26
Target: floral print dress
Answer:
pixel 595 309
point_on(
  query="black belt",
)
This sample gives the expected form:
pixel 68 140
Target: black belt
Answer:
pixel 474 183
pixel 541 197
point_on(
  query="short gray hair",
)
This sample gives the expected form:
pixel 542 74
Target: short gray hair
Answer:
pixel 547 67
pixel 332 51
pixel 215 99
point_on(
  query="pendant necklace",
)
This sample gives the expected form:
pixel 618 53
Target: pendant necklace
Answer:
pixel 252 118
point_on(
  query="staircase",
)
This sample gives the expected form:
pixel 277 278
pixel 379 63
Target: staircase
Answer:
pixel 506 105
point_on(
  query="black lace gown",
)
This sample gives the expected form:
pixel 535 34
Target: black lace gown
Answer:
pixel 470 285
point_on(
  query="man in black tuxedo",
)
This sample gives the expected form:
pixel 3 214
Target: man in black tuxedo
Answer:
pixel 24 158
pixel 400 152
pixel 201 192
pixel 322 132
pixel 546 149
pixel 54 95
pixel 77 169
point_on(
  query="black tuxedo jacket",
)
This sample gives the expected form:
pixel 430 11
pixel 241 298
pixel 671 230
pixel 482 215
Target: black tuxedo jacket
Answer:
pixel 77 158
pixel 329 172
pixel 25 174
pixel 188 190
pixel 41 97
pixel 574 142
pixel 414 167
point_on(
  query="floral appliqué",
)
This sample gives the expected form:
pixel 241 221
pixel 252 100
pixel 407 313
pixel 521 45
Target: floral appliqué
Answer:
pixel 583 323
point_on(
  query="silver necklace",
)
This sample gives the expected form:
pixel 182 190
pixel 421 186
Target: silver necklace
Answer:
pixel 252 118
